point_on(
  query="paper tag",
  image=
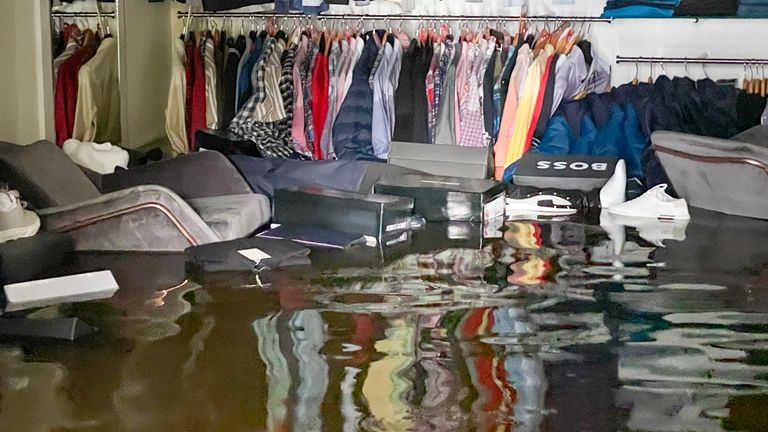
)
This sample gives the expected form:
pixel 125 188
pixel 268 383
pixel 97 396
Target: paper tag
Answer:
pixel 494 209
pixel 255 255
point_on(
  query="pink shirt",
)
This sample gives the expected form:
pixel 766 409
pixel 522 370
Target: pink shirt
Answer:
pixel 461 83
pixel 297 129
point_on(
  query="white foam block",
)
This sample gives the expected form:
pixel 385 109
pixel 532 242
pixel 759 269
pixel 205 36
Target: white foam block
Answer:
pixel 66 289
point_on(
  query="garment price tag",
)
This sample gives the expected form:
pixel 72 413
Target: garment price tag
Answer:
pixel 255 255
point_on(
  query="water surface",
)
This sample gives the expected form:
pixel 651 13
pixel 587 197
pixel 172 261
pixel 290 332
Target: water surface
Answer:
pixel 553 326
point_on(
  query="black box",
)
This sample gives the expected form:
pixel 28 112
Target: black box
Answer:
pixel 379 216
pixel 225 142
pixel 448 198
pixel 564 172
pixel 443 160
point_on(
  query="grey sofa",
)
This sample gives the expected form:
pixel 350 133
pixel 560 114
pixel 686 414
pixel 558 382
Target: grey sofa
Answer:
pixel 725 175
pixel 198 200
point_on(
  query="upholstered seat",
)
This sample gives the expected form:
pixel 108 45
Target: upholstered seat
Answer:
pixel 728 176
pixel 144 216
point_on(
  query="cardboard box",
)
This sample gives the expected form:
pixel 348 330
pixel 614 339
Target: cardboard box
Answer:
pixel 448 198
pixel 380 216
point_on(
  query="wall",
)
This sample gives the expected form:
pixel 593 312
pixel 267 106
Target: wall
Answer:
pixel 9 119
pixel 24 116
pixel 145 69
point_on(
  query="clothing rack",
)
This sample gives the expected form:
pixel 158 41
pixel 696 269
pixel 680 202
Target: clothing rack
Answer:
pixel 691 60
pixel 360 17
pixel 83 14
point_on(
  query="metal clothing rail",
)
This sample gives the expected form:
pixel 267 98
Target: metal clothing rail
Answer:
pixel 83 14
pixel 691 60
pixel 458 18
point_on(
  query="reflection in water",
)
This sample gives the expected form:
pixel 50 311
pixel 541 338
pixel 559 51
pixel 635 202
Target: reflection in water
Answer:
pixel 558 325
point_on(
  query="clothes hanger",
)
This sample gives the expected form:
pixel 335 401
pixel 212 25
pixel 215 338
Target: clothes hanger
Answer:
pixel 636 80
pixel 650 76
pixel 744 82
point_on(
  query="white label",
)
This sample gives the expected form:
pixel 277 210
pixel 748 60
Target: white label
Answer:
pixel 400 239
pixel 397 226
pixel 576 166
pixel 494 209
pixel 255 255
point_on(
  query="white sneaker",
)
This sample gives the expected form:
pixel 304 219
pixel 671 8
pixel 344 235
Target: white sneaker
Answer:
pixel 544 204
pixel 615 190
pixel 15 221
pixel 654 204
pixel 655 231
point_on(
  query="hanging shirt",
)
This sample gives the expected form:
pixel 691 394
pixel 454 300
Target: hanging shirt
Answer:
pixel 356 54
pixel 446 118
pixel 234 54
pixel 326 140
pixel 430 90
pixel 297 129
pixel 175 110
pixel 346 60
pixel 380 128
pixel 510 109
pixel 562 71
pixel 472 126
pixel 189 69
pixel 70 49
pixel 271 138
pixel 352 131
pixel 244 81
pixel 306 81
pixel 198 103
pixel 404 97
pixel 211 84
pixel 97 116
pixel 319 102
pixel 266 104
pixel 65 103
pixel 243 60
pixel 461 88
pixel 527 106
pixel 442 67
pixel 393 84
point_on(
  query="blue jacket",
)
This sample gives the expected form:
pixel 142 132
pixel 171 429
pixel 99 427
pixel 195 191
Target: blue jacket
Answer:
pixel 352 131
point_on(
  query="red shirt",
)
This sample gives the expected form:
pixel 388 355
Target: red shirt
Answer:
pixel 65 102
pixel 319 102
pixel 189 48
pixel 197 115
pixel 539 103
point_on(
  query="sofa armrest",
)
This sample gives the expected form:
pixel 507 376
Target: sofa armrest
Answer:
pixel 143 218
pixel 197 175
pixel 715 150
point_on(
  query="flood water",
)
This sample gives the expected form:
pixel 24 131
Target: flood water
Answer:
pixel 554 326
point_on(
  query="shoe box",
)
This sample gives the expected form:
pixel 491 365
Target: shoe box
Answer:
pixel 440 199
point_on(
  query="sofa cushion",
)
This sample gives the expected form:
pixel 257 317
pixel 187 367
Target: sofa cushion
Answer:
pixel 183 176
pixel 233 216
pixel 45 176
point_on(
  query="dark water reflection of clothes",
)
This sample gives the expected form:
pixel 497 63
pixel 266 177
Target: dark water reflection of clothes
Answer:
pixel 546 328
